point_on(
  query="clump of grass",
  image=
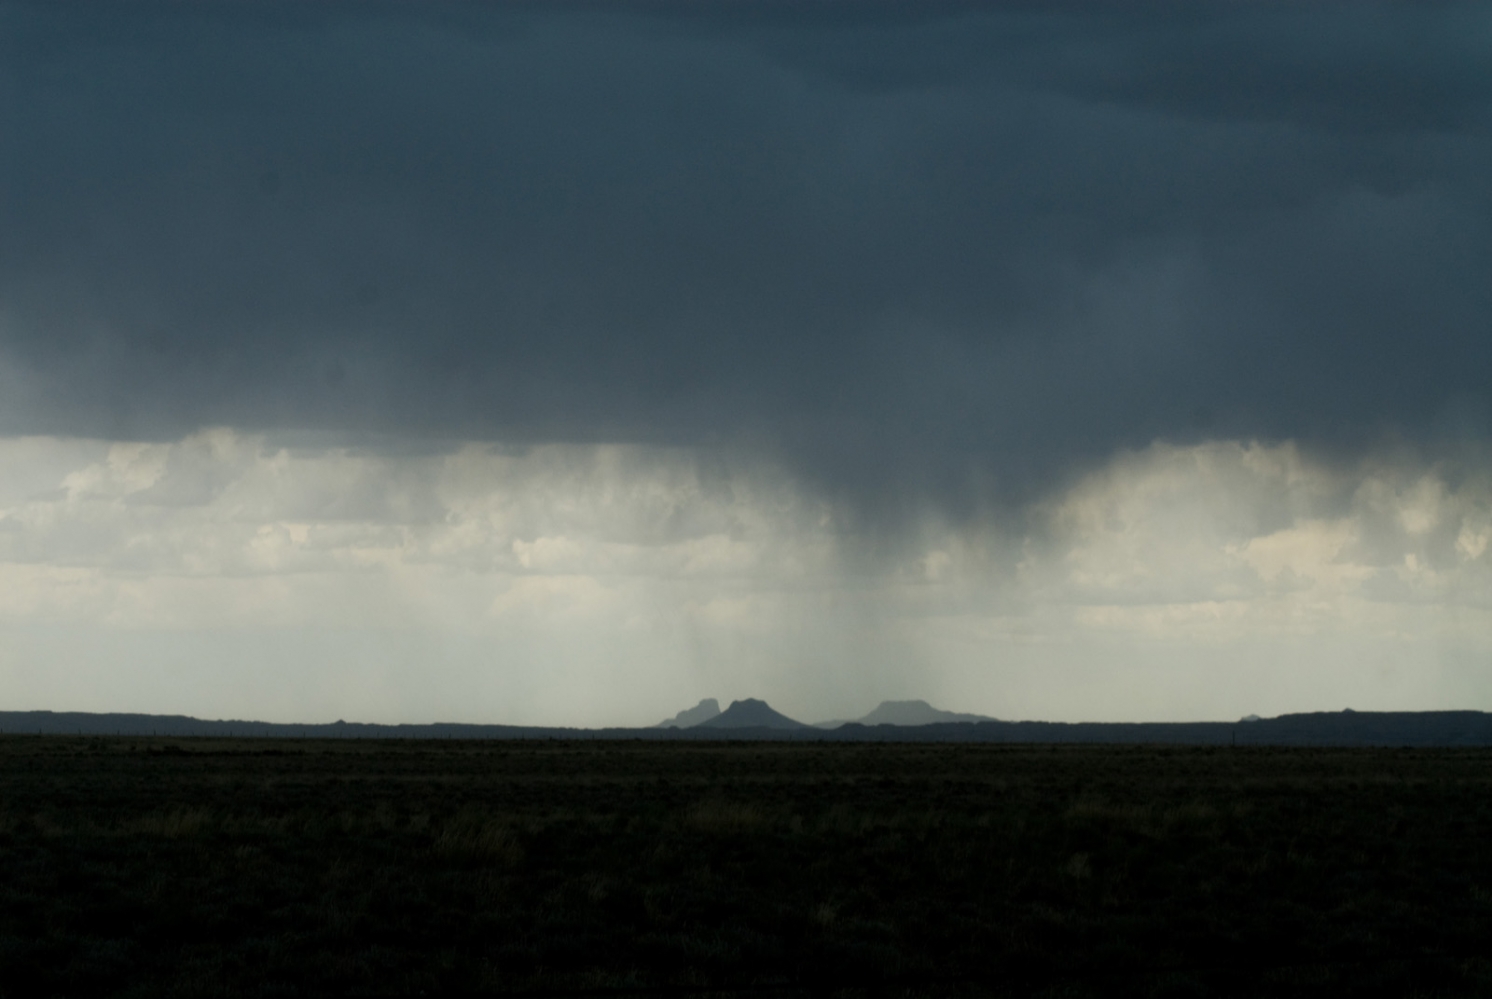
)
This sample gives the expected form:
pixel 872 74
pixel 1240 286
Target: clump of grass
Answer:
pixel 470 836
pixel 1133 818
pixel 180 823
pixel 1145 820
pixel 841 819
pixel 714 815
pixel 1193 816
pixel 47 825
pixel 1078 866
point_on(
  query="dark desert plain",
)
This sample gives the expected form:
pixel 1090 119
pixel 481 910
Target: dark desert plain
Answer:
pixel 216 866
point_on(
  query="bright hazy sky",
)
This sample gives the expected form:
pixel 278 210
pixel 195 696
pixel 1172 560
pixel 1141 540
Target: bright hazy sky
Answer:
pixel 562 364
pixel 227 575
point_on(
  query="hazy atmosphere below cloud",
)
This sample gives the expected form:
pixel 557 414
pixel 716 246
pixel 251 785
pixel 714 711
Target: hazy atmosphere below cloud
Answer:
pixel 230 575
pixel 567 364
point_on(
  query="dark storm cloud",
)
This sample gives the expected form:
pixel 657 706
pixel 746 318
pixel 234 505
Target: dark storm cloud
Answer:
pixel 936 252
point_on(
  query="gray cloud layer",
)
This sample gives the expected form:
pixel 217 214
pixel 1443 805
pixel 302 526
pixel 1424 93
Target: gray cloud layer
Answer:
pixel 924 252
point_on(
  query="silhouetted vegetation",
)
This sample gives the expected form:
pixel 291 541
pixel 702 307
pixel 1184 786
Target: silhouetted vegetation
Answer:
pixel 185 867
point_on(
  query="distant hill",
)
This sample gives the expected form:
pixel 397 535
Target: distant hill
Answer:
pixel 750 713
pixel 905 713
pixel 753 719
pixel 701 712
pixel 1322 728
pixel 915 713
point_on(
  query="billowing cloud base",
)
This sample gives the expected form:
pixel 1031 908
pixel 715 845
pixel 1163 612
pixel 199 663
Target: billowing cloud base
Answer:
pixel 232 574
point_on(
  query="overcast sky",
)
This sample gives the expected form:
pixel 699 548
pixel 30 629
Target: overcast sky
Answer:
pixel 566 364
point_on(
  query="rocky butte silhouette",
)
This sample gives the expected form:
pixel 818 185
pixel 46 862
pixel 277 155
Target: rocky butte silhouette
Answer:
pixel 706 709
pixel 750 713
pixel 907 713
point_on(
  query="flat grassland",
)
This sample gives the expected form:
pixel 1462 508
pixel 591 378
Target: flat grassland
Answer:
pixel 280 867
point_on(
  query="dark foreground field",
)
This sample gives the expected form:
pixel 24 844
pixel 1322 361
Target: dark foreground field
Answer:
pixel 160 867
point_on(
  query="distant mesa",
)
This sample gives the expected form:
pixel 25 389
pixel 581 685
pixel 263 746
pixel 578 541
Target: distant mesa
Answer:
pixel 907 713
pixel 1250 718
pixel 750 713
pixel 915 713
pixel 689 717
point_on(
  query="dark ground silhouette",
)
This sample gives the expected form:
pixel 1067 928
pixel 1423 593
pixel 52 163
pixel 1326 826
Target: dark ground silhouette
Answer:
pixel 164 866
pixel 1344 728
